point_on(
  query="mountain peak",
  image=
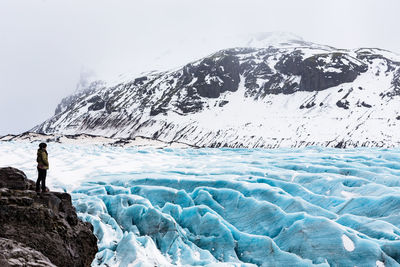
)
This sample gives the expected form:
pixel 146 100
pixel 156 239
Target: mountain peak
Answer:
pixel 265 39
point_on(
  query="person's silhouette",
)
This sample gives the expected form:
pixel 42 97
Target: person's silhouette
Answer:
pixel 43 166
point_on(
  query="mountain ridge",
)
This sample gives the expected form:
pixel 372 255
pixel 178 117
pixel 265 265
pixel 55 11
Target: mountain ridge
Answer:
pixel 276 96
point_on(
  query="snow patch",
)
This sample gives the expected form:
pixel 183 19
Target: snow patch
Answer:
pixel 347 243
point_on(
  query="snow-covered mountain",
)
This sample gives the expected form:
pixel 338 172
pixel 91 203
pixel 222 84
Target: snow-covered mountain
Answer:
pixel 287 93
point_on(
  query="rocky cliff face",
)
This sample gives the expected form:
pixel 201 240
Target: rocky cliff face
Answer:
pixel 17 254
pixel 292 94
pixel 40 230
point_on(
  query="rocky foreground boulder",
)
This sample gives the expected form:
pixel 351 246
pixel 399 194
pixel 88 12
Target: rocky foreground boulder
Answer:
pixel 40 230
pixel 13 253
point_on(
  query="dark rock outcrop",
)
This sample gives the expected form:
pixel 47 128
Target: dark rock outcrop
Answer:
pixel 12 178
pixel 321 71
pixel 14 254
pixel 215 75
pixel 47 223
pixel 206 79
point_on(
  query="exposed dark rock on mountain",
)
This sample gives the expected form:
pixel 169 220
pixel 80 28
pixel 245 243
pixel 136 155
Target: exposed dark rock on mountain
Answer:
pixel 45 223
pixel 209 79
pixel 68 101
pixel 284 95
pixel 320 71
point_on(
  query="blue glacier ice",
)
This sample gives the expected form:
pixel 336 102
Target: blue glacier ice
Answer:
pixel 310 207
pixel 236 207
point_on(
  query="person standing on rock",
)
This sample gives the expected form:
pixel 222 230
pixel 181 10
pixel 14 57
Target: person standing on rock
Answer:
pixel 43 166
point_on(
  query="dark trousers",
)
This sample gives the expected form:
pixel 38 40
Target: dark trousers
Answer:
pixel 41 178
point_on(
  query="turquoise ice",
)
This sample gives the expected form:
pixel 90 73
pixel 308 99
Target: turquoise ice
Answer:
pixel 322 207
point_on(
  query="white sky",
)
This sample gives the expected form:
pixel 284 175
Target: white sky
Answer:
pixel 46 45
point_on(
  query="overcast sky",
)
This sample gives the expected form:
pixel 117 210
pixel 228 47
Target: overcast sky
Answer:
pixel 45 46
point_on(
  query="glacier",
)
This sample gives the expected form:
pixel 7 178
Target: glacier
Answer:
pixel 229 207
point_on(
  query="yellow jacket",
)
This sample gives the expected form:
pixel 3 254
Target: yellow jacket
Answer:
pixel 42 160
